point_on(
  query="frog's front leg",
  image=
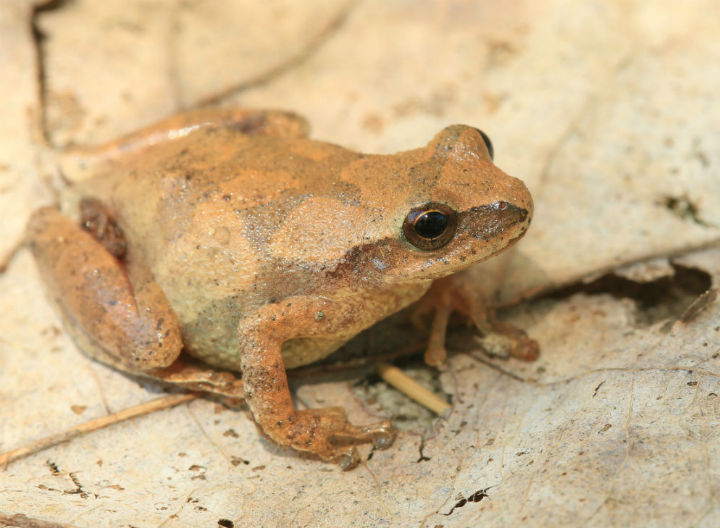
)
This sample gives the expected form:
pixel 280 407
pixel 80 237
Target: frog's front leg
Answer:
pixel 324 432
pixel 109 302
pixel 456 294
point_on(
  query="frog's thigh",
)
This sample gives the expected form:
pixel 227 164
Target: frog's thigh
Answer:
pixel 264 122
pixel 77 163
pixel 324 432
pixel 115 311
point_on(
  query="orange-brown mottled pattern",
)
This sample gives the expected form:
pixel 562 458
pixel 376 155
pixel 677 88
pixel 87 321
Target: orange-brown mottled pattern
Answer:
pixel 256 249
pixel 229 222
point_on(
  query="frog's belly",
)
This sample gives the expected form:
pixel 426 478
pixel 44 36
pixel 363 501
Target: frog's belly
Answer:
pixel 212 334
pixel 216 342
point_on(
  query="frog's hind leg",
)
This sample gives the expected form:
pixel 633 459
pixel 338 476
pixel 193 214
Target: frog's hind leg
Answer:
pixel 77 164
pixel 109 303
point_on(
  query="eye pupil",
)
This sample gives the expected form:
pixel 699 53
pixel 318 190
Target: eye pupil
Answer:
pixel 431 224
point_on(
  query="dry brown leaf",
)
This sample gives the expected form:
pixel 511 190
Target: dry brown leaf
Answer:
pixel 607 109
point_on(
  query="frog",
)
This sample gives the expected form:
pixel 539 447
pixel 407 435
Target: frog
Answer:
pixel 233 237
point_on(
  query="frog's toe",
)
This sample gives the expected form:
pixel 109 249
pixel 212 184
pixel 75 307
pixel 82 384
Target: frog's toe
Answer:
pixel 348 458
pixel 383 434
pixel 435 353
pixel 327 433
pixel 503 340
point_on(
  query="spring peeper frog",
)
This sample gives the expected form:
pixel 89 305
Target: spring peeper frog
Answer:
pixel 231 235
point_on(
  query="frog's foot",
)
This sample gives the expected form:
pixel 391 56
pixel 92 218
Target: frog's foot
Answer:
pixel 327 434
pixel 187 374
pixel 455 294
pixel 502 340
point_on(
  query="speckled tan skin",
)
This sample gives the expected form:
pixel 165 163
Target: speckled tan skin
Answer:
pixel 233 236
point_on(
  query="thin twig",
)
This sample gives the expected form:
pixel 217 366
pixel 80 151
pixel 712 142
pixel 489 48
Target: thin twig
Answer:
pixel 405 384
pixel 389 373
pixel 151 406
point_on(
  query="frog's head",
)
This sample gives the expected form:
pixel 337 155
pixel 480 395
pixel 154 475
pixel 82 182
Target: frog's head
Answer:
pixel 413 216
pixel 458 208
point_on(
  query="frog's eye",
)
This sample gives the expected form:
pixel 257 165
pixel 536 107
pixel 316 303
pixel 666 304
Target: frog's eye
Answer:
pixel 488 143
pixel 430 226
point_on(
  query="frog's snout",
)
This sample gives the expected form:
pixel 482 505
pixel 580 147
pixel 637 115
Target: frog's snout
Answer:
pixel 504 220
pixel 518 201
pixel 518 194
pixel 496 223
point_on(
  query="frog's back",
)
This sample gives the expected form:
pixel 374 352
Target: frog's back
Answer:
pixel 201 212
pixel 207 186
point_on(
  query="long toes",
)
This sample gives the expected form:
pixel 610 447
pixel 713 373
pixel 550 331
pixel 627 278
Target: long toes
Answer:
pixel 382 434
pixel 526 350
pixel 348 459
pixel 435 355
